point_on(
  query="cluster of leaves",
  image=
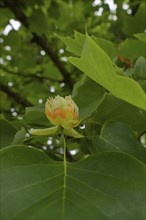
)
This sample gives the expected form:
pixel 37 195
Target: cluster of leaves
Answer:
pixel 102 175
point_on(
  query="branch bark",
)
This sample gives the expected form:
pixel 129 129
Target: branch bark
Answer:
pixel 16 96
pixel 15 7
pixel 29 75
pixel 134 7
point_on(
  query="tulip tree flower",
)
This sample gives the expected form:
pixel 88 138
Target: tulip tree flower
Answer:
pixel 61 112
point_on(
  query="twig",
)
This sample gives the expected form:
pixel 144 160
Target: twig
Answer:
pixel 134 7
pixel 16 96
pixel 29 75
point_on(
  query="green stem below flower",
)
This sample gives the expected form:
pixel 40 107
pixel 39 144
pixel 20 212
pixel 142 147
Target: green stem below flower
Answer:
pixel 65 174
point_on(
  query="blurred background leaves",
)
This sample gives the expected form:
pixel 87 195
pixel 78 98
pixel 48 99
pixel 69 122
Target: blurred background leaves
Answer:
pixel 34 61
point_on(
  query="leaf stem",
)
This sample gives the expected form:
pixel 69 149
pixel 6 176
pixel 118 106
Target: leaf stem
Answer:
pixel 65 174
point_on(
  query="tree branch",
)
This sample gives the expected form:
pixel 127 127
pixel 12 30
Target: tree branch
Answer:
pixel 134 7
pixel 29 75
pixel 42 41
pixel 16 96
pixel 15 7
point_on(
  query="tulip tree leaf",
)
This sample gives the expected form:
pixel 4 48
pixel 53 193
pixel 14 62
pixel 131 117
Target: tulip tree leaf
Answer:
pixel 140 69
pixel 143 85
pixel 135 24
pixel 51 71
pixel 141 36
pixel 88 99
pixel 7 133
pixel 75 45
pixel 121 111
pixel 38 22
pixel 96 64
pixel 132 48
pixel 117 136
pixel 106 45
pixel 35 116
pixel 111 184
pixel 19 137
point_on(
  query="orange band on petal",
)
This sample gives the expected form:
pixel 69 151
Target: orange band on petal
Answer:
pixel 48 113
pixel 59 112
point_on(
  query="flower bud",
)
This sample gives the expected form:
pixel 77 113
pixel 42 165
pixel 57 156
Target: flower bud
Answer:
pixel 62 111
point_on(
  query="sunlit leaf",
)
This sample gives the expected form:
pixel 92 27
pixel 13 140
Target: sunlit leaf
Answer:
pixel 141 36
pixel 95 63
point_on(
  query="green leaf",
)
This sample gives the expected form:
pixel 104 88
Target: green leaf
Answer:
pixel 7 133
pixel 12 37
pixel 35 108
pixel 5 17
pixel 115 109
pixel 132 49
pixel 36 116
pixel 96 64
pixel 88 99
pixel 143 85
pixel 27 61
pixel 141 36
pixel 117 136
pixel 32 93
pixel 38 22
pixel 106 45
pixel 136 22
pixel 75 45
pixel 19 136
pixel 51 71
pixel 110 185
pixel 140 69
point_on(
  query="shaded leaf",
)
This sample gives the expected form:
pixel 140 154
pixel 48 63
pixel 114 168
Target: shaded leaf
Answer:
pixel 140 69
pixel 143 85
pixel 7 133
pixel 117 136
pixel 115 109
pixel 51 71
pixel 136 23
pixel 132 49
pixel 36 115
pixel 36 187
pixel 88 95
pixel 19 137
pixel 38 22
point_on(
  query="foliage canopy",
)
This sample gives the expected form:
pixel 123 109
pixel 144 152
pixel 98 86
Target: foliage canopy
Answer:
pixel 94 51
